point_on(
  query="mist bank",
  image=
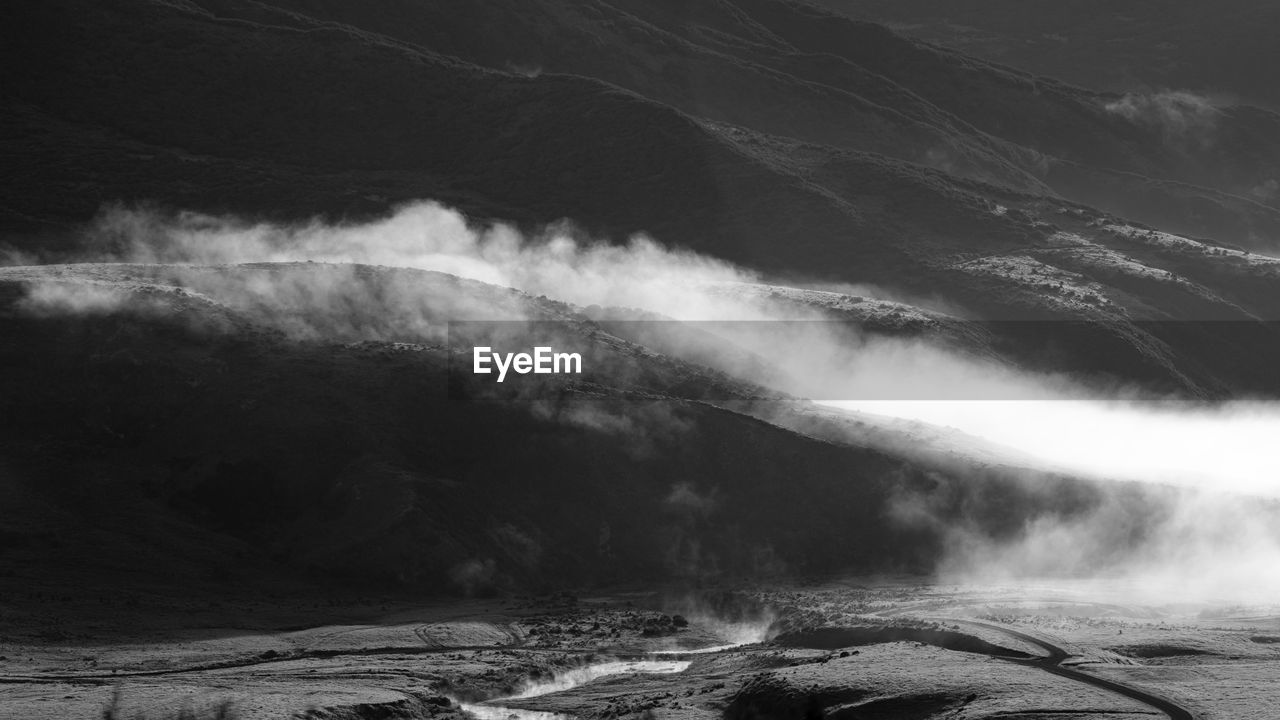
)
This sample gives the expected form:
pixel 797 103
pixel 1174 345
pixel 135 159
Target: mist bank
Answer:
pixel 812 339
pixel 1206 446
pixel 1212 535
pixel 406 278
pixel 1197 546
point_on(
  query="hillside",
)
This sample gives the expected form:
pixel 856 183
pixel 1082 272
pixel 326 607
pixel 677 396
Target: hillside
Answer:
pixel 158 413
pixel 799 144
pixel 1219 50
pixel 850 173
pixel 714 360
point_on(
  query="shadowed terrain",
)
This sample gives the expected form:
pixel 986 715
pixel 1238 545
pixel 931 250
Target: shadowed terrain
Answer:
pixel 763 132
pixel 155 410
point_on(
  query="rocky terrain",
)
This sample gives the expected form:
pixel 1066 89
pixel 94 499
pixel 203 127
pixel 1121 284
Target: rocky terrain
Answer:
pixel 886 649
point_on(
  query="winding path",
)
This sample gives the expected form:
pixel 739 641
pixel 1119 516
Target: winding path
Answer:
pixel 1052 663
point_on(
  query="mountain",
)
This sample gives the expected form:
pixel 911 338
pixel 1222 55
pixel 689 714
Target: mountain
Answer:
pixel 166 413
pixel 1221 50
pixel 777 135
pixel 308 417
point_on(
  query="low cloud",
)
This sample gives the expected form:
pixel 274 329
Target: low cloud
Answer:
pixel 429 236
pixel 1188 545
pixel 1180 116
pixel 318 281
pixel 346 283
pixel 45 299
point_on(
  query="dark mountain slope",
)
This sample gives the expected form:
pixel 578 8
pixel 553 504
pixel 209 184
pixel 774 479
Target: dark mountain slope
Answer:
pixel 343 110
pixel 787 68
pixel 643 49
pixel 332 101
pixel 268 105
pixel 1221 48
pixel 331 86
pixel 250 447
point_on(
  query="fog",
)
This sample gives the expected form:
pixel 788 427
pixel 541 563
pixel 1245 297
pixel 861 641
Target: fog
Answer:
pixel 1180 116
pixel 1226 447
pixel 1211 535
pixel 1202 547
pixel 1207 537
pixel 810 357
pixel 429 236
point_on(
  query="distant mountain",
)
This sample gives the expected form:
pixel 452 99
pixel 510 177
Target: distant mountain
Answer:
pixel 1222 49
pixel 789 139
pixel 329 86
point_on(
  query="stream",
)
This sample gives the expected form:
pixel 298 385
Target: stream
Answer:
pixel 491 710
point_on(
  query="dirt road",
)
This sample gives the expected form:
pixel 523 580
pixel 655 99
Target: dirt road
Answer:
pixel 1052 663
